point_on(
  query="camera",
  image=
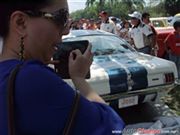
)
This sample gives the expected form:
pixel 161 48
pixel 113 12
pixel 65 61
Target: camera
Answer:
pixel 62 55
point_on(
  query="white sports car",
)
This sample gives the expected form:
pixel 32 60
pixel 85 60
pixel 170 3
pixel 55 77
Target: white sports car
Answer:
pixel 122 75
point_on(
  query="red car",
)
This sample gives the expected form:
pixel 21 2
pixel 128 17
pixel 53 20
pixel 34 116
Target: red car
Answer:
pixel 161 36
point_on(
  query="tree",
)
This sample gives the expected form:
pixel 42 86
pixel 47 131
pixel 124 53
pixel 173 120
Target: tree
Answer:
pixel 90 2
pixel 134 4
pixel 131 4
pixel 157 9
pixel 119 8
pixel 172 6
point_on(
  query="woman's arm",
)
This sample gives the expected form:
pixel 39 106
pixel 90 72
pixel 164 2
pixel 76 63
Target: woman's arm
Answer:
pixel 78 68
pixel 86 90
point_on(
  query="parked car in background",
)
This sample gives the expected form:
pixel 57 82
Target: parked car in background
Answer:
pixel 159 22
pixel 163 28
pixel 162 33
pixel 122 75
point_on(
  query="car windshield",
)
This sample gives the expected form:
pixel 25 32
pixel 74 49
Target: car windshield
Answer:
pixel 105 44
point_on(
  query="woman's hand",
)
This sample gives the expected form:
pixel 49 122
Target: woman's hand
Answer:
pixel 79 63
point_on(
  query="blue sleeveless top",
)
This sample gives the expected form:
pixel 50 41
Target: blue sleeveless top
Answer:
pixel 43 101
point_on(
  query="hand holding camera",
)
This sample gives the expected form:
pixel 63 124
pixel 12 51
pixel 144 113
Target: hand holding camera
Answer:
pixel 79 64
pixel 74 57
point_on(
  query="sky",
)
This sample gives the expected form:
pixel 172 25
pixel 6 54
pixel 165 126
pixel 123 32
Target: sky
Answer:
pixel 76 4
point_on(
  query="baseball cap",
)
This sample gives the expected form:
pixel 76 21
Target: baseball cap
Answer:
pixel 103 13
pixel 136 14
pixel 175 18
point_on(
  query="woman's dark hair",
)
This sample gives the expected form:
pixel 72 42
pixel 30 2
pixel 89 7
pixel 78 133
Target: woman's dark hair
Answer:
pixel 8 7
pixel 176 24
pixel 124 22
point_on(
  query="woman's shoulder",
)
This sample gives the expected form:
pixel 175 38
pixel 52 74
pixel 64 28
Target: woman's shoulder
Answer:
pixel 33 65
pixel 36 69
pixel 13 62
pixel 36 78
pixel 29 68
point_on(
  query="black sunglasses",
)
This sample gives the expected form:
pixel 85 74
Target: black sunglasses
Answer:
pixel 59 17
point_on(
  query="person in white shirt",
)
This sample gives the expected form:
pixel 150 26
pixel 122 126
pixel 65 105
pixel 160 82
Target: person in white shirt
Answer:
pixel 141 34
pixel 106 24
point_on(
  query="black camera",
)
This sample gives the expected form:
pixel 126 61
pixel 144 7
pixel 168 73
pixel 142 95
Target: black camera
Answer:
pixel 62 55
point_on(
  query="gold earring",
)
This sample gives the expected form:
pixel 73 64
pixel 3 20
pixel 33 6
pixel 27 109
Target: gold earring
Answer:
pixel 21 53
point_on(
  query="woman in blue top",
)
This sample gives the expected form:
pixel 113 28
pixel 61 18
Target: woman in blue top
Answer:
pixel 30 30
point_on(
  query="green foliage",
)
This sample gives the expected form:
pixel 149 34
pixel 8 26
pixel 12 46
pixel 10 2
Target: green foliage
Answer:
pixel 172 6
pixel 121 8
pixel 118 8
pixel 157 11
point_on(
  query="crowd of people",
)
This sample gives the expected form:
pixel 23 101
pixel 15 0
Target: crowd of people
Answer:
pixel 137 31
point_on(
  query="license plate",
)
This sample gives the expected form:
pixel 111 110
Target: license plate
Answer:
pixel 129 101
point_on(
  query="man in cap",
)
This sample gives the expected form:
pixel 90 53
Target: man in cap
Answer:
pixel 141 34
pixel 106 24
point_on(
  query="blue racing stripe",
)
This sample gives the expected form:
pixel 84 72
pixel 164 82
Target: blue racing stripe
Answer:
pixel 117 80
pixel 118 75
pixel 138 72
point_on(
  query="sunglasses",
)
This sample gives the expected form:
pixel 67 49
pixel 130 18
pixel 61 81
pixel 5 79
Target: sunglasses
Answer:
pixel 59 17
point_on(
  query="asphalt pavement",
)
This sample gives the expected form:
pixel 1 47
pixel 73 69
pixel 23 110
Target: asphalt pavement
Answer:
pixel 145 112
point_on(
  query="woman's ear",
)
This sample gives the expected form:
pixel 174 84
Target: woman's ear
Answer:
pixel 18 22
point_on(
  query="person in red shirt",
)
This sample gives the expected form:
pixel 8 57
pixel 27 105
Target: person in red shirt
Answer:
pixel 172 43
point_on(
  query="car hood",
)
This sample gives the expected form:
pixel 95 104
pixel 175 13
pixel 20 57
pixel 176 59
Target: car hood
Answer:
pixel 112 74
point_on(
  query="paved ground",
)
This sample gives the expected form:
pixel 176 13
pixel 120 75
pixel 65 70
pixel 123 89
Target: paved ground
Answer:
pixel 173 100
pixel 144 112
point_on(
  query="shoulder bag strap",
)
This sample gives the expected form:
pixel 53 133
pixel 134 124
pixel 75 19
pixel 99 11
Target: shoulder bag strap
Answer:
pixel 10 98
pixel 11 105
pixel 71 117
